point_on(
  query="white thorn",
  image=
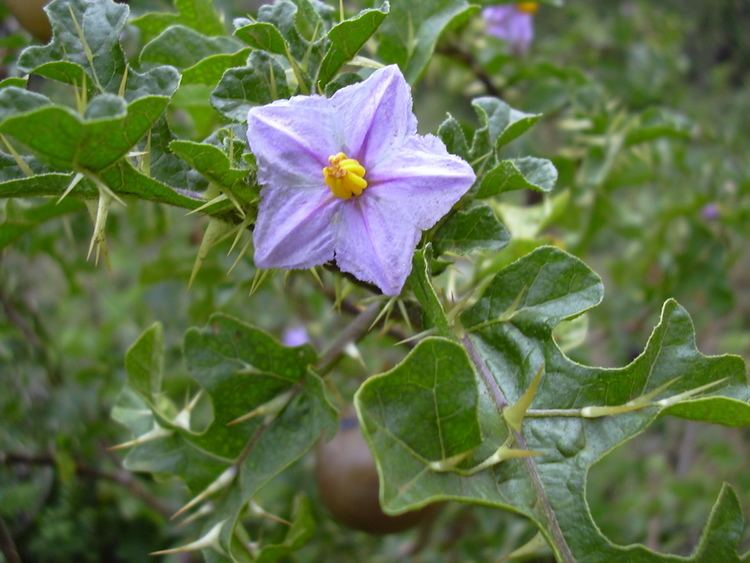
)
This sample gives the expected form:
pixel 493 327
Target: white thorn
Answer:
pixel 209 539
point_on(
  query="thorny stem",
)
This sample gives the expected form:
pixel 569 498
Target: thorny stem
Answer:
pixel 557 537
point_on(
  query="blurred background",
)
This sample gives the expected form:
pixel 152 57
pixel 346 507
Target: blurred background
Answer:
pixel 647 118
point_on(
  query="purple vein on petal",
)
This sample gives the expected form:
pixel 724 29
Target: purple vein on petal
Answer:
pixel 292 136
pixel 293 226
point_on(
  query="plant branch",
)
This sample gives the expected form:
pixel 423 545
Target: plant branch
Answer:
pixel 353 309
pixel 31 328
pixel 458 53
pixel 7 545
pixel 119 477
pixel 353 332
pixel 557 537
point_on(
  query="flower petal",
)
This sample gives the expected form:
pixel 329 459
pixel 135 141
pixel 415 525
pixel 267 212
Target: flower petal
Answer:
pixel 422 180
pixel 511 24
pixel 292 140
pixel 375 246
pixel 376 115
pixel 294 229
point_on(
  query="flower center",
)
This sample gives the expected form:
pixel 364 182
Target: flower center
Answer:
pixel 344 176
pixel 528 7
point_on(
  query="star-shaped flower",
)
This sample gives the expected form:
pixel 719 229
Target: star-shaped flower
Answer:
pixel 348 179
pixel 512 22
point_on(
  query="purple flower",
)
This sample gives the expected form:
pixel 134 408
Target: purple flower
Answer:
pixel 512 22
pixel 348 179
pixel 295 335
pixel 710 212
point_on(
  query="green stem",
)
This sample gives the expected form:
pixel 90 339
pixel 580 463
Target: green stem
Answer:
pixel 555 535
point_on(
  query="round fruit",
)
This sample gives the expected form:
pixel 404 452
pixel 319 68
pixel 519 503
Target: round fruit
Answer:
pixel 348 484
pixel 31 16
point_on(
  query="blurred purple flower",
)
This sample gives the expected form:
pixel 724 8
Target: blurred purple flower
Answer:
pixel 512 22
pixel 710 212
pixel 295 335
pixel 348 178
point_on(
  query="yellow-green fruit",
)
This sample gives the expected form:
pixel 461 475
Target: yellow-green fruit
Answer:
pixel 348 484
pixel 32 17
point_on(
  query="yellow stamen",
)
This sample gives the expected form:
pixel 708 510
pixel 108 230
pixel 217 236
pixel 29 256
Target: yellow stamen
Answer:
pixel 344 176
pixel 528 7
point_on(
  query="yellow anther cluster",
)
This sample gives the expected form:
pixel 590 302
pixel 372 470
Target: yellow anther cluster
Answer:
pixel 344 176
pixel 528 7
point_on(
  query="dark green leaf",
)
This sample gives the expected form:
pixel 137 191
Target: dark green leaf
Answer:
pixel 125 180
pixel 214 164
pixel 199 15
pixel 165 166
pixel 209 70
pixel 453 136
pixel 144 362
pixel 264 36
pixel 183 47
pixel 476 228
pixel 529 173
pixel 63 138
pixel 421 285
pixel 577 415
pixel 434 393
pixel 346 39
pixel 17 81
pixel 260 82
pixel 86 41
pixel 500 125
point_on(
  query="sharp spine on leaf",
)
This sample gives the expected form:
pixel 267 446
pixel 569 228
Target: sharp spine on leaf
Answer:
pixel 258 278
pixel 316 276
pixel 73 183
pixel 156 433
pixel 515 413
pixel 209 540
pixel 98 238
pixel 647 400
pixel 223 480
pixel 257 510
pixel 240 231
pixel 503 453
pixel 386 310
pixel 124 81
pixel 214 231
pixel 240 254
pixel 20 162
pixel 218 199
pixel 182 419
pixel 269 409
pixel 203 510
